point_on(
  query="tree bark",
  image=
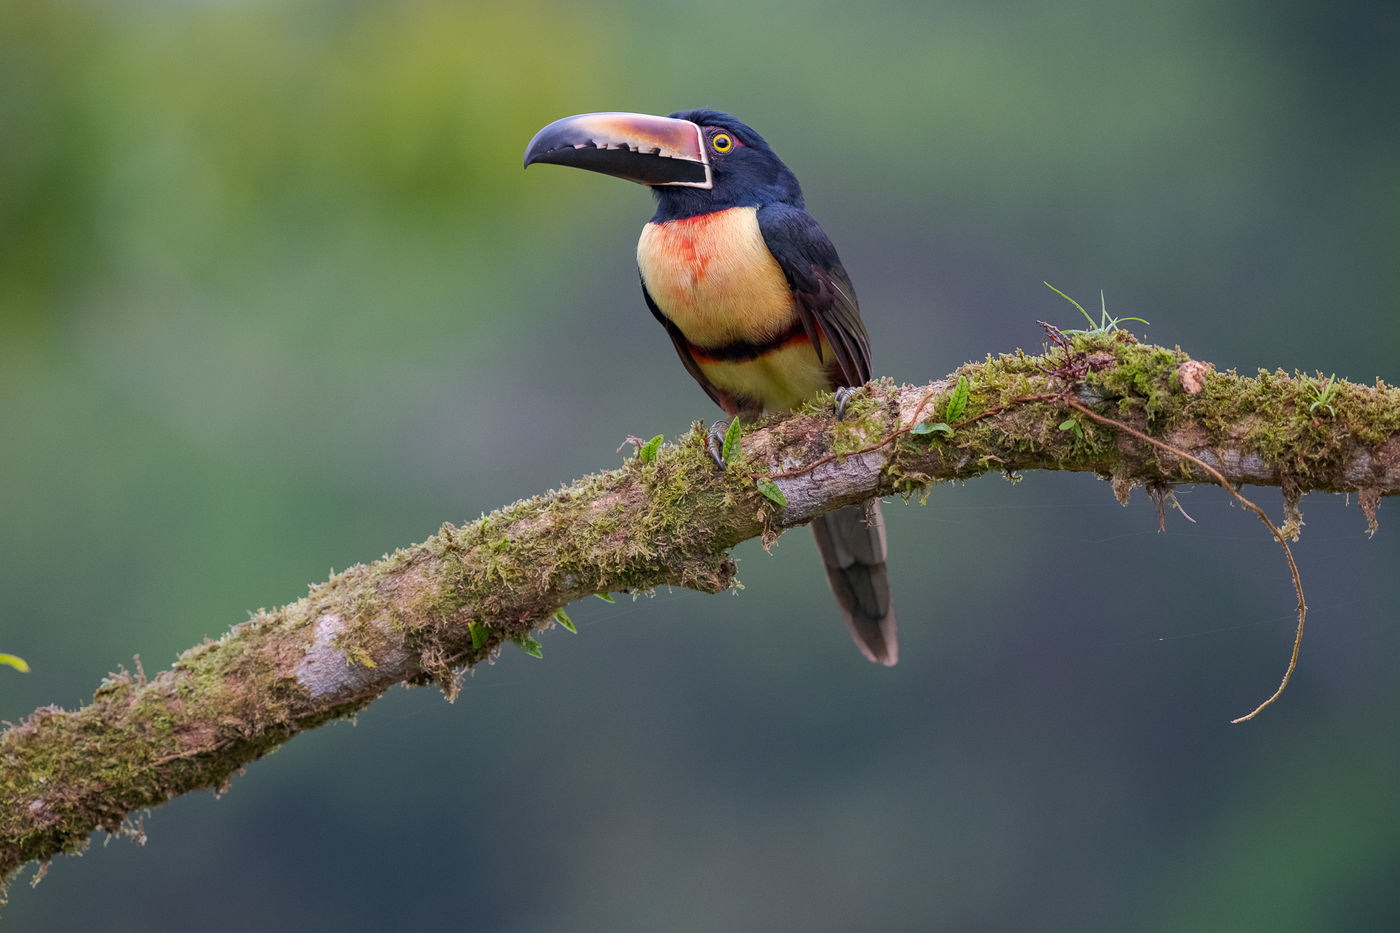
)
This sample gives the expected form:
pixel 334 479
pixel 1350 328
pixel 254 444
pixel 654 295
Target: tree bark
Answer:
pixel 429 611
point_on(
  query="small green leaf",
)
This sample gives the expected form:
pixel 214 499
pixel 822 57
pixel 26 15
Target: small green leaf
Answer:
pixel 928 427
pixel 563 619
pixel 605 597
pixel 478 634
pixel 16 662
pixel 958 403
pixel 1071 424
pixel 647 452
pixel 530 646
pixel 771 490
pixel 1071 301
pixel 730 450
pixel 1323 395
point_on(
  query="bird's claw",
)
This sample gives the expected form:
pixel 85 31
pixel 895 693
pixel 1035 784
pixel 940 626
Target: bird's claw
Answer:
pixel 715 442
pixel 843 395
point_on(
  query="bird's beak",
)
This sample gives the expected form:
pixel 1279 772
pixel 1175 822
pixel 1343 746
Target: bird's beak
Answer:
pixel 645 149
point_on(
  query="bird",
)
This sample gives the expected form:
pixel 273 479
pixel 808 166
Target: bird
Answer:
pixel 752 294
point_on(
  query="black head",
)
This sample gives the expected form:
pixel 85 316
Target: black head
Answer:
pixel 744 170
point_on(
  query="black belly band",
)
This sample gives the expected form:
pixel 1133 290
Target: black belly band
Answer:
pixel 741 350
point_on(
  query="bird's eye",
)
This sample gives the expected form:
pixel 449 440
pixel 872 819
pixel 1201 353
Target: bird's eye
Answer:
pixel 722 142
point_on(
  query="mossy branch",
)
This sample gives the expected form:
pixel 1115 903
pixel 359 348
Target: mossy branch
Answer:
pixel 430 611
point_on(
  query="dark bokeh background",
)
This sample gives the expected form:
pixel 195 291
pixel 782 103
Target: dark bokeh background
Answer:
pixel 276 297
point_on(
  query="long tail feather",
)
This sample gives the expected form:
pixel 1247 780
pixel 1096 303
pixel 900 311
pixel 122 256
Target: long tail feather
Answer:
pixel 852 545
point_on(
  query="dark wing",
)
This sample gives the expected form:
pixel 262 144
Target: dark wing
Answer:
pixel 683 349
pixel 826 302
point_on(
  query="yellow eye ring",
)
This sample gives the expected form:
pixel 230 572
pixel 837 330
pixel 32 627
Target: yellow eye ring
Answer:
pixel 722 142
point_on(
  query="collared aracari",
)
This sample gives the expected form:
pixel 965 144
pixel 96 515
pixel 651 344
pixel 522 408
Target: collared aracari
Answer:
pixel 753 296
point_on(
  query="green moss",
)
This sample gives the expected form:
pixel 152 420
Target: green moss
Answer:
pixel 1278 420
pixel 1144 377
pixel 865 421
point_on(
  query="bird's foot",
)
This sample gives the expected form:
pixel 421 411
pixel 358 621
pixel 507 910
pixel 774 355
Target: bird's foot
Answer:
pixel 715 443
pixel 843 395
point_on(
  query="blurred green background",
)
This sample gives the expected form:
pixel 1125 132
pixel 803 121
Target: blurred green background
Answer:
pixel 276 297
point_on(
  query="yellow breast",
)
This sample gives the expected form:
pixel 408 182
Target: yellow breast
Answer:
pixel 714 277
pixel 781 379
